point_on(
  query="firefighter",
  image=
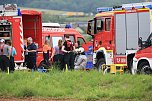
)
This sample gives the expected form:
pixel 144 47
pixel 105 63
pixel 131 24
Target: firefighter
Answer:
pixel 12 54
pixel 4 55
pixel 31 51
pixel 80 60
pixel 68 51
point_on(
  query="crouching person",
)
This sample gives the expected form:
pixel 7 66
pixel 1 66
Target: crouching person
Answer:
pixel 80 60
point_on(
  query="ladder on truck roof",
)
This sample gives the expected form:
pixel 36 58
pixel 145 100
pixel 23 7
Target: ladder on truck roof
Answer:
pixel 126 7
pixel 138 5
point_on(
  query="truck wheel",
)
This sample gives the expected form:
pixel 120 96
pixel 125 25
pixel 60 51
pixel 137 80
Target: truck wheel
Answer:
pixel 144 68
pixel 100 63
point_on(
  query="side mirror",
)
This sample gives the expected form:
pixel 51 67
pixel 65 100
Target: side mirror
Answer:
pixel 140 44
pixel 89 28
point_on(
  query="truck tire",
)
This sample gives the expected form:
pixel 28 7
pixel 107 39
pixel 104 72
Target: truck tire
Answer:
pixel 144 68
pixel 100 63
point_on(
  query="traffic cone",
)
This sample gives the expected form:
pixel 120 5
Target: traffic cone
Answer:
pixel 66 67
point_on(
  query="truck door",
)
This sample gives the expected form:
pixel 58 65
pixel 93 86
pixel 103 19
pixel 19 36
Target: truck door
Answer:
pixel 103 32
pixel 17 38
pixel 107 33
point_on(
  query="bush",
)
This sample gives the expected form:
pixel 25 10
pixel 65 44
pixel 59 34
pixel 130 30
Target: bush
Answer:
pixel 26 92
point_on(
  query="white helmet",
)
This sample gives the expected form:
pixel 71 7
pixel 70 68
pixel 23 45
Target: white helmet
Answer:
pixel 2 40
pixel 81 50
pixel 77 49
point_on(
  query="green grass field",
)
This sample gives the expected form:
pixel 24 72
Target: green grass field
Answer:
pixel 77 85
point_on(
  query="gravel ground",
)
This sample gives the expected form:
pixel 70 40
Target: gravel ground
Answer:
pixel 32 99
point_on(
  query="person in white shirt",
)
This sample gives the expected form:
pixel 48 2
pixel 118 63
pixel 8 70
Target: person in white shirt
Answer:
pixel 80 60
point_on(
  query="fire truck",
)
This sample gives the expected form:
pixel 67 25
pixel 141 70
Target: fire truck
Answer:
pixel 142 61
pixel 54 34
pixel 115 32
pixel 16 25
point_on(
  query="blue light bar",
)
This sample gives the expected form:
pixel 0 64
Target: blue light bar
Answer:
pixel 118 9
pixel 149 6
pixel 126 7
pixel 137 5
pixel 104 9
pixel 68 26
pixel 19 12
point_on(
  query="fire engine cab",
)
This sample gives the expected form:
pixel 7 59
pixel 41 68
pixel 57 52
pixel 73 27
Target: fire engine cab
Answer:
pixel 115 32
pixel 142 61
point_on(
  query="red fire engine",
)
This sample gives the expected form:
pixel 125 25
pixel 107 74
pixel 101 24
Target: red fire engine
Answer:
pixel 17 26
pixel 54 34
pixel 115 33
pixel 142 61
pixel 28 23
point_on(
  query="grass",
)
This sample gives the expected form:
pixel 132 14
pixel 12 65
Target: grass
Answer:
pixel 79 85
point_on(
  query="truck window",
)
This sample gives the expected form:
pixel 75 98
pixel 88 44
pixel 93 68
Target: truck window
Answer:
pixel 107 24
pixel 80 41
pixel 47 38
pixel 92 27
pixel 55 40
pixel 99 25
pixel 72 38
